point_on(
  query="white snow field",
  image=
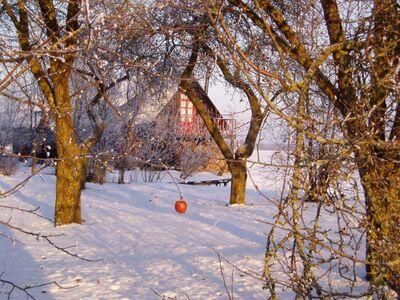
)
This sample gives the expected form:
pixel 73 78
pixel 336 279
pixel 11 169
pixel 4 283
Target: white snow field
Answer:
pixel 145 250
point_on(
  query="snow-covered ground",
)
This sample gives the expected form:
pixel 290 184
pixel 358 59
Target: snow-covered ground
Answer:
pixel 142 248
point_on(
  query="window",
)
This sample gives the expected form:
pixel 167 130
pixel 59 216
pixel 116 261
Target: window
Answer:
pixel 186 110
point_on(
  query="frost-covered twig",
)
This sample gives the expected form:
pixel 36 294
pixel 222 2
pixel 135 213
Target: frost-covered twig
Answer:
pixel 47 238
pixel 33 211
pixel 64 249
pixel 221 269
pixel 27 288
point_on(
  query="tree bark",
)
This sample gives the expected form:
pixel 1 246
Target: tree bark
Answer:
pixel 381 181
pixel 70 160
pixel 239 178
pixel 68 185
pixel 68 191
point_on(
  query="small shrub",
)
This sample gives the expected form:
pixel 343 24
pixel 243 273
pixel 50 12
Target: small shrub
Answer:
pixel 191 160
pixel 8 165
pixel 216 162
pixel 152 174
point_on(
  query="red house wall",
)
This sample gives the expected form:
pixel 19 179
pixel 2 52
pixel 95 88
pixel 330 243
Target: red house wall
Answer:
pixel 187 115
pixel 190 123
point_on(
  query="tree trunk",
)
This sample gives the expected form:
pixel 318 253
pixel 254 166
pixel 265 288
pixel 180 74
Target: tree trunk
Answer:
pixel 381 182
pixel 70 161
pixel 34 153
pixel 84 172
pixel 100 171
pixel 121 175
pixel 68 185
pixel 238 185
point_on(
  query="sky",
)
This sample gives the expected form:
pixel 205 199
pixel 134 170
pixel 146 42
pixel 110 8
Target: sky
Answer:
pixel 230 102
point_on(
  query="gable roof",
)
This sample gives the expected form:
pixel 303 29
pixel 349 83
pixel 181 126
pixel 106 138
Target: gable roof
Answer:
pixel 194 84
pixel 171 108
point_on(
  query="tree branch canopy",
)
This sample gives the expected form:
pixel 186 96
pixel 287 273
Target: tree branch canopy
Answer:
pixel 292 45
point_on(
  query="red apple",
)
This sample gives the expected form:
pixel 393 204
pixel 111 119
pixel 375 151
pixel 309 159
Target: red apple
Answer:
pixel 180 206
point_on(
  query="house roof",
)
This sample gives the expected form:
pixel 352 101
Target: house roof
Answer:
pixel 195 85
pixel 172 105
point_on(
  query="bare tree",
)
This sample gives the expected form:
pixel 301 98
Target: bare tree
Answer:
pixel 203 45
pixel 61 44
pixel 348 52
pixel 50 58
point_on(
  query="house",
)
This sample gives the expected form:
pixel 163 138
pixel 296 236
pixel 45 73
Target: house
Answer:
pixel 184 118
pixel 169 132
pixel 177 136
pixel 32 137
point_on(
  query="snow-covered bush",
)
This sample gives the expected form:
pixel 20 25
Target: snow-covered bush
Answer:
pixel 158 147
pixel 191 160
